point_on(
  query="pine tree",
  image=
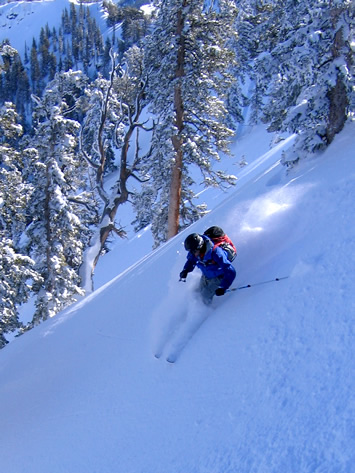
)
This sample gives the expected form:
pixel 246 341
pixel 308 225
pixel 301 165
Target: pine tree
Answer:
pixel 73 18
pixel 44 52
pixel 60 204
pixel 189 62
pixel 8 55
pixel 52 66
pixel 17 273
pixel 306 75
pixel 87 53
pixel 245 99
pixel 61 44
pixel 134 25
pixel 26 59
pixel 54 40
pixel 107 59
pixel 68 61
pixel 35 68
pixel 22 90
pixel 113 13
pixel 16 276
pixel 66 22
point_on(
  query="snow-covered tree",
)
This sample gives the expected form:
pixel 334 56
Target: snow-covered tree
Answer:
pixel 189 76
pixel 307 72
pixel 111 124
pixel 17 277
pixel 14 79
pixel 255 29
pixel 17 272
pixel 60 205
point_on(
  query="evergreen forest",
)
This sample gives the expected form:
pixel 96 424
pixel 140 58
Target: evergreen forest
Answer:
pixel 91 121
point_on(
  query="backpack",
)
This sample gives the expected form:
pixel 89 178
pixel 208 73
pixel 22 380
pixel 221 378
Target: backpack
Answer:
pixel 219 238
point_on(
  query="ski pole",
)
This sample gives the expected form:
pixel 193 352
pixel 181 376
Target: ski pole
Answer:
pixel 255 284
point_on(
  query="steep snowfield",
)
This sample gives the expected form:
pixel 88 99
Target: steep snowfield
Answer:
pixel 266 382
pixel 20 22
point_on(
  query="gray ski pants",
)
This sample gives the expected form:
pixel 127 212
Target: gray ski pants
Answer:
pixel 208 288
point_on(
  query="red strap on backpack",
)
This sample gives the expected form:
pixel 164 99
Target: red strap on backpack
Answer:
pixel 223 239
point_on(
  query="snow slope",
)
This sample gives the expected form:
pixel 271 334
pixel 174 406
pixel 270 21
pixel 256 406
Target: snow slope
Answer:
pixel 22 21
pixel 264 385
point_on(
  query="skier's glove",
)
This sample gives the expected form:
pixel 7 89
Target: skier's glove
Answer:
pixel 220 291
pixel 183 274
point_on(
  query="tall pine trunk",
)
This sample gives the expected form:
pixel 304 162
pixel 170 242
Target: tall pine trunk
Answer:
pixel 337 95
pixel 176 175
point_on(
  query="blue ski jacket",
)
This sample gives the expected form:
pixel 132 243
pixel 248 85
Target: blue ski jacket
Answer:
pixel 213 264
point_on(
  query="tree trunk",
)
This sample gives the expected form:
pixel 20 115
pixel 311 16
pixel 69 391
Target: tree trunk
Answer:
pixel 175 190
pixel 337 95
pixel 176 175
pixel 338 103
pixel 47 219
pixel 119 196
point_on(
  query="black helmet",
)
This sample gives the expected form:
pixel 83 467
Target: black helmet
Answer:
pixel 194 242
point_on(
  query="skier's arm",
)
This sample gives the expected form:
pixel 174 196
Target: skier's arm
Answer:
pixel 189 265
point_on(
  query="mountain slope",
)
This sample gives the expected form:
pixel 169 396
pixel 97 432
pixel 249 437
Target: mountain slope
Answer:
pixel 266 382
pixel 22 21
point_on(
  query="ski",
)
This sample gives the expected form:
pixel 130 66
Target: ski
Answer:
pixel 171 359
pixel 185 334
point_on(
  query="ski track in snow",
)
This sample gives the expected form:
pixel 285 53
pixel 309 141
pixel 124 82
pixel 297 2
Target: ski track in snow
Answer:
pixel 174 322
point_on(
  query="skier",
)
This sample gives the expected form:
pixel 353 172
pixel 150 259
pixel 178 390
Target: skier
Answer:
pixel 217 271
